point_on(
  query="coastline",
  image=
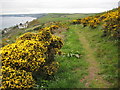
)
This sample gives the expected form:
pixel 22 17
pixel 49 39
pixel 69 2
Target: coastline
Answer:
pixel 22 19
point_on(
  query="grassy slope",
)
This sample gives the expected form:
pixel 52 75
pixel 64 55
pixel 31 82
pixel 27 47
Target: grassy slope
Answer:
pixel 61 17
pixel 73 69
pixel 105 52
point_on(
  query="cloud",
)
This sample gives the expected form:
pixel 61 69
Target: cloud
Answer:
pixel 61 6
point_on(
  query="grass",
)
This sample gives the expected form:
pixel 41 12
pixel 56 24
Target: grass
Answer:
pixel 51 17
pixel 72 69
pixel 106 52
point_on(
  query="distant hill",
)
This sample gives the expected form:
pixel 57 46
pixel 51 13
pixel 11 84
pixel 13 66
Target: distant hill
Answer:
pixel 24 15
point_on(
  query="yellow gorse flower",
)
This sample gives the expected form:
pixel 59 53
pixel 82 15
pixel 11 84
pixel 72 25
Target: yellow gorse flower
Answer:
pixel 110 21
pixel 30 53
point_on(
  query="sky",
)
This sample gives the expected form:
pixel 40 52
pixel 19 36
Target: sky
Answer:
pixel 56 6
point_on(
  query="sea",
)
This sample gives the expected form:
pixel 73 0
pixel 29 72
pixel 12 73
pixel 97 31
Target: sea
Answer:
pixel 6 22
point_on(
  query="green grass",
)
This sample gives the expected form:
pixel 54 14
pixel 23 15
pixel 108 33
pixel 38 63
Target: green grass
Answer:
pixel 106 52
pixel 72 69
pixel 60 17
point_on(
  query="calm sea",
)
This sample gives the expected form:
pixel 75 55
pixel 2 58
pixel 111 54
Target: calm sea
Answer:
pixel 6 22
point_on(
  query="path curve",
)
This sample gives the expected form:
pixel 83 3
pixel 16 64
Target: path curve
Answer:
pixel 93 68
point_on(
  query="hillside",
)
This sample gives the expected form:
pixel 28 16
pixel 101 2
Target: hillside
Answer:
pixel 24 15
pixel 88 56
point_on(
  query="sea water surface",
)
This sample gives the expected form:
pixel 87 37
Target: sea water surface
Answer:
pixel 6 22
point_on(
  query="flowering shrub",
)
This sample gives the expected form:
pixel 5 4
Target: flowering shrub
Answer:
pixel 94 22
pixel 110 21
pixel 85 21
pixel 54 26
pixel 111 26
pixel 78 21
pixel 12 78
pixel 51 28
pixel 23 54
pixel 32 52
pixel 51 68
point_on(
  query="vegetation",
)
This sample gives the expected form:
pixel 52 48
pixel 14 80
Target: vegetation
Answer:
pixel 110 21
pixel 88 56
pixel 31 53
pixel 73 67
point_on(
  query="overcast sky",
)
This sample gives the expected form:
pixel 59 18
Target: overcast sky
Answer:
pixel 56 6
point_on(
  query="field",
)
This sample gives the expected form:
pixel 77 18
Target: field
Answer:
pixel 88 56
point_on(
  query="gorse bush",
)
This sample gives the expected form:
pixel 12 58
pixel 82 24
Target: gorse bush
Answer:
pixel 78 21
pixel 51 28
pixel 32 52
pixel 85 21
pixel 12 78
pixel 94 22
pixel 110 21
pixel 111 27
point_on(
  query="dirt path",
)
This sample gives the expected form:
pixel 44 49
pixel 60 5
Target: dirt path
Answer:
pixel 93 79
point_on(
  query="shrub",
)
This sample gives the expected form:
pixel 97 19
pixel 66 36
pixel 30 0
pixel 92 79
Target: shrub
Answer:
pixel 110 21
pixel 78 21
pixel 32 52
pixel 12 78
pixel 111 25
